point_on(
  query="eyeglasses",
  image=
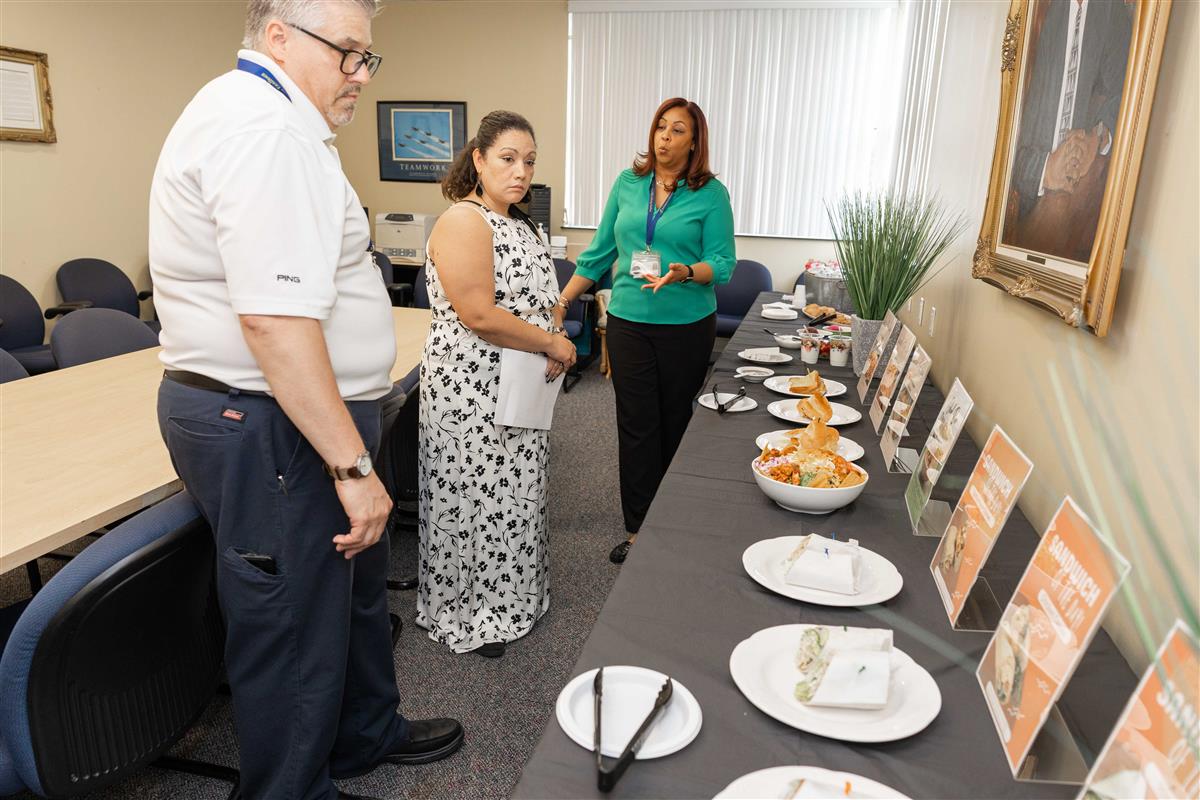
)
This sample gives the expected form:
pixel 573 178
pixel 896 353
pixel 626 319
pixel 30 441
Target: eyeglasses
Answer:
pixel 352 60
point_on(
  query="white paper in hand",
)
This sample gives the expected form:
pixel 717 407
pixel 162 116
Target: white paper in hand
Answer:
pixel 525 399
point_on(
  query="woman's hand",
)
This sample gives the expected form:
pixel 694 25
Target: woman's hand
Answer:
pixel 554 369
pixel 676 272
pixel 561 350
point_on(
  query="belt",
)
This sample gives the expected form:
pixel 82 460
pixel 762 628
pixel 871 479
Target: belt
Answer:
pixel 199 381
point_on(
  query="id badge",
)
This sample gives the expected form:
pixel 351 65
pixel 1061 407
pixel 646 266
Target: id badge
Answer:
pixel 647 263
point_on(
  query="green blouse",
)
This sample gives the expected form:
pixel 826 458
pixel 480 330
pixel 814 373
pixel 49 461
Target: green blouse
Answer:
pixel 697 226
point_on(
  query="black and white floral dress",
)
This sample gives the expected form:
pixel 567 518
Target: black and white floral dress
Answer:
pixel 484 526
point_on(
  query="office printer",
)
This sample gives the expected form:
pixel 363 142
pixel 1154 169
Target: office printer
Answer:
pixel 402 237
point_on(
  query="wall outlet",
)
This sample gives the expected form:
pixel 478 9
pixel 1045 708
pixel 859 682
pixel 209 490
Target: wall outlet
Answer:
pixel 921 311
pixel 932 319
pixel 909 306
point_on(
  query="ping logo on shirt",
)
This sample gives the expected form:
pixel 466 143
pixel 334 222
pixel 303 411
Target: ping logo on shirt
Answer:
pixel 288 278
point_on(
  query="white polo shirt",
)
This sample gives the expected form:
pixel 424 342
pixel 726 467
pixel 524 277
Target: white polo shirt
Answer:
pixel 250 213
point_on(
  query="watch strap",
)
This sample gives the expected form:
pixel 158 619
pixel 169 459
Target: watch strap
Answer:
pixel 345 473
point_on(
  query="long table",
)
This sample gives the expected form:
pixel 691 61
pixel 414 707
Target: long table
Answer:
pixel 80 447
pixel 683 602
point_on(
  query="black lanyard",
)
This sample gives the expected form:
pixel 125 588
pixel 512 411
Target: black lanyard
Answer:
pixel 652 216
pixel 264 73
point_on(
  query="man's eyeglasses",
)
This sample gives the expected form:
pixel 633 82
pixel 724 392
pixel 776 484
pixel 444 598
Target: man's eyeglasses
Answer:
pixel 352 60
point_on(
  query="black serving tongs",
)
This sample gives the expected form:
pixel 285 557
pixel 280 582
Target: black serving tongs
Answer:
pixel 723 407
pixel 606 779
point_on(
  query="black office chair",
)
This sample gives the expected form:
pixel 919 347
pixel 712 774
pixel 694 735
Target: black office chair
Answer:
pixel 10 368
pixel 91 334
pixel 22 329
pixel 114 659
pixel 734 298
pixel 396 291
pixel 398 458
pixel 103 284
pixel 579 324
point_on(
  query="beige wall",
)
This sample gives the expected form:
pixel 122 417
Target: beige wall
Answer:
pixel 120 73
pixel 1098 417
pixel 510 55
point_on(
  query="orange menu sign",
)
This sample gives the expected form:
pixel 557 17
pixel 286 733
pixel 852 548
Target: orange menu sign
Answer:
pixel 881 340
pixel 1046 627
pixel 891 375
pixel 1151 754
pixel 984 507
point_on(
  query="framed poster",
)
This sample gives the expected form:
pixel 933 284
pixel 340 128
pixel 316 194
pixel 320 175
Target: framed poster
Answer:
pixel 1077 83
pixel 418 140
pixel 26 110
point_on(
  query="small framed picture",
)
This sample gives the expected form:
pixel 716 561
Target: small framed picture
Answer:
pixel 26 111
pixel 418 140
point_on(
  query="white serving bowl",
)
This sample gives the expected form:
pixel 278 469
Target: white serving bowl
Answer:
pixel 788 342
pixel 806 499
pixel 753 374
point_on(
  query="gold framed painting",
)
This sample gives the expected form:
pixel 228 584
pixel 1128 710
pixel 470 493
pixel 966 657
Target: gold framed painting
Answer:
pixel 26 110
pixel 1077 82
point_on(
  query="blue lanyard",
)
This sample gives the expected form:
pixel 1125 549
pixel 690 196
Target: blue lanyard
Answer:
pixel 652 216
pixel 264 73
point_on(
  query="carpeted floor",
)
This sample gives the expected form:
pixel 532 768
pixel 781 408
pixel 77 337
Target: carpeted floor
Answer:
pixel 504 704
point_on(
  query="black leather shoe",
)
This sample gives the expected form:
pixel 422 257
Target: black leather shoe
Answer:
pixel 428 740
pixel 617 556
pixel 490 650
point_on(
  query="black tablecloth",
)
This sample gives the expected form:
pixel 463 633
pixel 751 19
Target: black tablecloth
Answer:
pixel 683 602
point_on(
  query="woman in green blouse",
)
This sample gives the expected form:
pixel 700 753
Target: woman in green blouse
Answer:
pixel 668 226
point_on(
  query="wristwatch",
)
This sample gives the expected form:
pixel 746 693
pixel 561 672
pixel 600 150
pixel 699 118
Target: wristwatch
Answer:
pixel 360 469
pixel 690 276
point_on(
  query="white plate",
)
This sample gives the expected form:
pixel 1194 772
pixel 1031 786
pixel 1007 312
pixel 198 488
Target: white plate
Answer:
pixel 629 694
pixel 765 358
pixel 785 314
pixel 764 669
pixel 779 385
pixel 744 404
pixel 878 580
pixel 786 409
pixel 847 448
pixel 774 781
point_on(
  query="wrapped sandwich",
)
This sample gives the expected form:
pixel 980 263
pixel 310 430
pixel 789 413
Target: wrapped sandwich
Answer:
pixel 825 564
pixel 844 667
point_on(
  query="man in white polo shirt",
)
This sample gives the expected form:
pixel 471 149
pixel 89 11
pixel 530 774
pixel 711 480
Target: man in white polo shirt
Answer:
pixel 278 342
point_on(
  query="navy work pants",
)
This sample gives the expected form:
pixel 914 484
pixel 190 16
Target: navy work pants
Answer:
pixel 308 649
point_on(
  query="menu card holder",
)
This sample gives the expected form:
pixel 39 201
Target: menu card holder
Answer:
pixel 933 520
pixel 1047 626
pixel 981 610
pixel 905 461
pixel 1054 756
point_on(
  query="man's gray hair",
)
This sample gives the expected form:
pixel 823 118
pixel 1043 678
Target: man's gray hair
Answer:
pixel 303 13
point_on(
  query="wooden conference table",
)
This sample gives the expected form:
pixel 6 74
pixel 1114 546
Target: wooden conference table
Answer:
pixel 80 447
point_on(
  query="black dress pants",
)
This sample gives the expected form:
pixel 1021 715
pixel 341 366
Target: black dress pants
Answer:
pixel 657 371
pixel 307 649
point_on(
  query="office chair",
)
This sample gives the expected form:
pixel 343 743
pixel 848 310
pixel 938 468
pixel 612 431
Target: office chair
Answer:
pixel 91 334
pixel 22 329
pixel 415 294
pixel 103 284
pixel 398 458
pixel 114 659
pixel 396 291
pixel 10 368
pixel 578 321
pixel 734 298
